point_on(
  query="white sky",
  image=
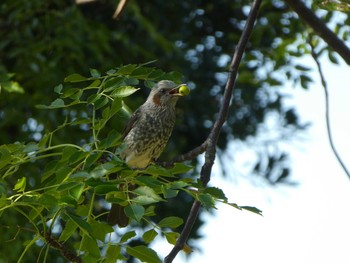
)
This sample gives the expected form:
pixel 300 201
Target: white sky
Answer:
pixel 304 224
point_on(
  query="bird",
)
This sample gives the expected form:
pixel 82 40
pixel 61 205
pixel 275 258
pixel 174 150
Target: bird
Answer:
pixel 147 133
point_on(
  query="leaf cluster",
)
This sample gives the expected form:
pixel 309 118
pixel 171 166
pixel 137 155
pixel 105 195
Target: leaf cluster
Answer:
pixel 76 182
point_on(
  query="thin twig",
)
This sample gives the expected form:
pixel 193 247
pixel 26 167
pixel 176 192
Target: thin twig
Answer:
pixel 325 88
pixel 187 156
pixel 320 28
pixel 71 256
pixel 215 132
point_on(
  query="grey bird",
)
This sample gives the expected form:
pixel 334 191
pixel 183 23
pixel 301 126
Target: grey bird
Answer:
pixel 147 133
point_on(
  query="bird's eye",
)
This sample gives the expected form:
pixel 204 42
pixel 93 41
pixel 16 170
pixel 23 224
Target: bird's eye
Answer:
pixel 163 91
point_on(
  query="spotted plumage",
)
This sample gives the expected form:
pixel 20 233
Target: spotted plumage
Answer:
pixel 150 127
pixel 146 134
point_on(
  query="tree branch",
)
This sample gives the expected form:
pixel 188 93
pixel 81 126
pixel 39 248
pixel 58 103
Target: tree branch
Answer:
pixel 215 131
pixel 325 87
pixel 62 248
pixel 320 28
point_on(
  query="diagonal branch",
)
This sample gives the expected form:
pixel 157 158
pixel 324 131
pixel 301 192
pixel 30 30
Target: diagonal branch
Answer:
pixel 212 139
pixel 325 87
pixel 320 28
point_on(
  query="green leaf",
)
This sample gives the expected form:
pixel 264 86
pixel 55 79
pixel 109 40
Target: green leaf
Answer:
pixel 142 72
pixel 100 229
pixel 89 245
pixel 5 156
pixel 171 237
pixel 302 68
pixel 178 184
pixel 47 200
pixel 92 159
pixel 134 211
pixel 149 84
pixel 156 74
pixel 126 70
pixel 77 191
pixel 173 75
pixel 82 224
pixel 127 236
pixel 206 200
pixel 96 83
pixel 113 139
pixel 105 189
pixel 68 231
pixel 11 86
pixel 95 73
pixel 63 172
pixel 252 209
pixel 171 221
pixel 101 170
pixel 58 89
pixel 43 141
pixel 216 193
pixel 131 81
pixel 332 57
pixel 112 254
pixel 91 99
pixel 99 103
pixel 67 185
pixel 123 91
pixel 31 147
pixel 146 195
pixel 116 106
pixel 149 181
pixel 75 78
pixel 149 236
pixel 157 170
pixel 56 104
pixel 169 193
pixel 143 253
pixel 20 185
pixel 181 168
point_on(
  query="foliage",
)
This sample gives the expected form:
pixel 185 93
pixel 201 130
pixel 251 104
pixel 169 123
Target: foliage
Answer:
pixel 41 42
pixel 64 195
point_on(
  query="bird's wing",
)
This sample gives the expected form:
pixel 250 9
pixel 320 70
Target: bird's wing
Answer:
pixel 131 123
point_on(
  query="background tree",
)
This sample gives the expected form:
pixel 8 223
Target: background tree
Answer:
pixel 43 42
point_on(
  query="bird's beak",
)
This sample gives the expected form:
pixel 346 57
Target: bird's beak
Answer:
pixel 180 90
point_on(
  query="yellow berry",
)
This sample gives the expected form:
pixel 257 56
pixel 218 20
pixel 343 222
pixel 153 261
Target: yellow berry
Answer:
pixel 184 90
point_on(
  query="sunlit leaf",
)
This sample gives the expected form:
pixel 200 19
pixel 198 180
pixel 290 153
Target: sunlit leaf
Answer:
pixel 100 229
pixel 146 195
pixel 206 200
pixel 216 193
pixel 124 91
pixel 134 211
pixel 171 237
pixel 149 235
pixel 127 236
pixel 75 78
pixel 143 253
pixel 20 185
pixel 113 253
pixel 171 221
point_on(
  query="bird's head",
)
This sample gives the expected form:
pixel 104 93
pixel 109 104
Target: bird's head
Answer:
pixel 166 93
